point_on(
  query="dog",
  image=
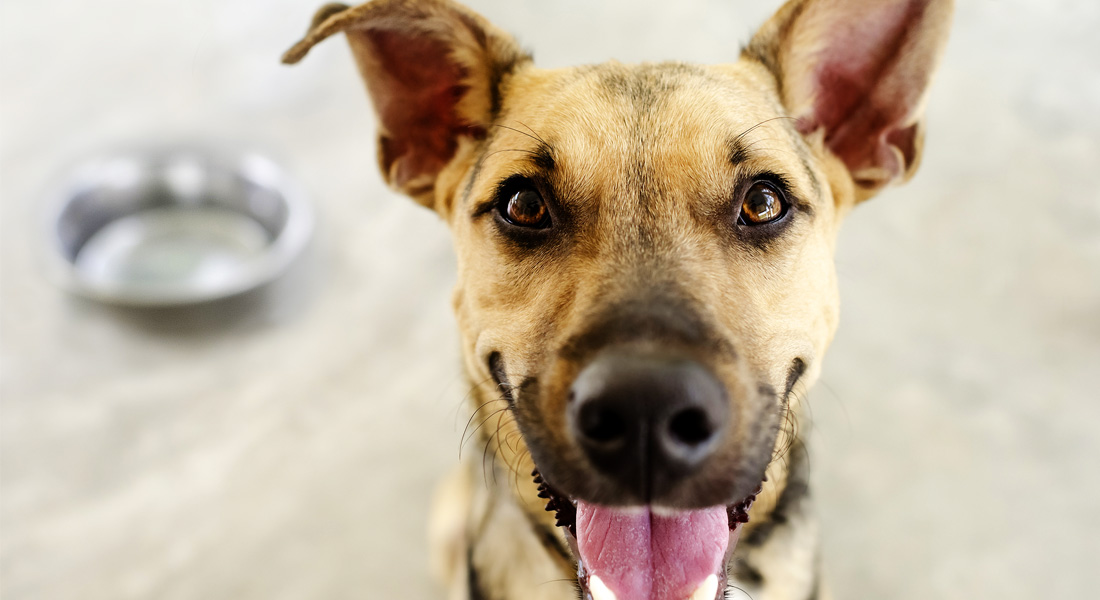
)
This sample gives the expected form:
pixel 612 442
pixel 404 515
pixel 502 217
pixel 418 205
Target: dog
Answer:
pixel 646 286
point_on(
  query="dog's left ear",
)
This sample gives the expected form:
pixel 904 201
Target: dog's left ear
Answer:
pixel 434 70
pixel 856 72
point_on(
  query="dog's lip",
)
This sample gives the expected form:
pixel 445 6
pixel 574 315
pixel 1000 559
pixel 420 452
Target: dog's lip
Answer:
pixel 565 508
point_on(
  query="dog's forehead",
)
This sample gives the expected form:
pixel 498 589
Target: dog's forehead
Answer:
pixel 682 125
pixel 662 98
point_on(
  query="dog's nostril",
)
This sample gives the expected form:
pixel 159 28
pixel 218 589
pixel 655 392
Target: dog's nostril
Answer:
pixel 602 425
pixel 690 427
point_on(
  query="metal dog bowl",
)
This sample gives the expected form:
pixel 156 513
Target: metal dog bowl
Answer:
pixel 175 226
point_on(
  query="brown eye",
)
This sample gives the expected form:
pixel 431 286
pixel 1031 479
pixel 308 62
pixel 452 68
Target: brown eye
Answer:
pixel 526 208
pixel 763 203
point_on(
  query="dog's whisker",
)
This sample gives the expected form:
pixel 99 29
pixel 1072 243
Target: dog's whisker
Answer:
pixel 755 145
pixel 570 581
pixel 485 450
pixel 451 383
pixel 506 389
pixel 803 400
pixel 484 468
pixel 730 586
pixel 479 426
pixel 507 443
pixel 793 431
pixel 474 415
pixel 517 458
pixel 534 132
pixel 490 415
pixel 531 152
pixel 465 399
pixel 750 129
pixel 806 456
pixel 520 457
pixel 517 452
pixel 534 137
pixel 789 425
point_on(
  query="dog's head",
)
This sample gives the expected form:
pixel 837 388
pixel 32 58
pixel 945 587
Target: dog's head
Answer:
pixel 645 253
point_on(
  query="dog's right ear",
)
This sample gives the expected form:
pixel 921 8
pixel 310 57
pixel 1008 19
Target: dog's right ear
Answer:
pixel 434 71
pixel 856 73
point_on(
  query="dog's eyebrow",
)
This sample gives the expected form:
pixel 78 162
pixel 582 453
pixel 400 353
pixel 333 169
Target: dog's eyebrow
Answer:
pixel 537 164
pixel 741 152
pixel 543 157
pixel 543 154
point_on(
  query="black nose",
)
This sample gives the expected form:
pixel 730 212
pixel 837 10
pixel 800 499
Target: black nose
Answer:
pixel 647 421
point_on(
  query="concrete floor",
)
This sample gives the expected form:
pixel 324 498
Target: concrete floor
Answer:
pixel 283 446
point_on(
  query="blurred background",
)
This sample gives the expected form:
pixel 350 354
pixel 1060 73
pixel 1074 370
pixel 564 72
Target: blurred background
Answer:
pixel 284 445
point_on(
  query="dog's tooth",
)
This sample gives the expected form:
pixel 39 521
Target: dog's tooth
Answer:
pixel 706 590
pixel 599 590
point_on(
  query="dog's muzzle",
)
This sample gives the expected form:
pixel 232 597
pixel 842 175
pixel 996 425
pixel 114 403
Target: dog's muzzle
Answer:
pixel 647 422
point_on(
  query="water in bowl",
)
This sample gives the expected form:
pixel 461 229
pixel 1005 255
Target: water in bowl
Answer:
pixel 172 252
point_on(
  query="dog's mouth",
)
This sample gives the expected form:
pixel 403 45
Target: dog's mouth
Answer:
pixel 648 553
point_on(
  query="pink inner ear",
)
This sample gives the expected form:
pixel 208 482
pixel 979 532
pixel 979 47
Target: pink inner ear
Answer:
pixel 416 94
pixel 867 84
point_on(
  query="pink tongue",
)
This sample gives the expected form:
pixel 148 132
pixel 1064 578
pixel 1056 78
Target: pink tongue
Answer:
pixel 640 555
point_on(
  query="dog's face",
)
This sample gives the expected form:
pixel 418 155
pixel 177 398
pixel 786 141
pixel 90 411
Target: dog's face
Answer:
pixel 646 218
pixel 645 252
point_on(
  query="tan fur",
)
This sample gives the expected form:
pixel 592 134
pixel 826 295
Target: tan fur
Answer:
pixel 771 304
